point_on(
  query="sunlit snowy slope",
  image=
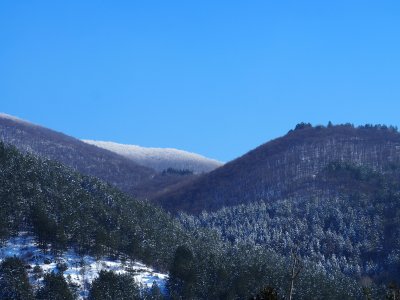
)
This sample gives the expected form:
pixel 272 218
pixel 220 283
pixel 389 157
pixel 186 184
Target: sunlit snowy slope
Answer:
pixel 80 270
pixel 161 158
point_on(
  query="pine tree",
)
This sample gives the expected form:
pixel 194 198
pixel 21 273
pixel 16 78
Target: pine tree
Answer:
pixel 154 293
pixel 111 286
pixel 267 293
pixel 182 273
pixel 54 288
pixel 14 283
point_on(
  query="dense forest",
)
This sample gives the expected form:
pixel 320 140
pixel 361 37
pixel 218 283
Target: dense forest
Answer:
pixel 355 231
pixel 82 157
pixel 63 208
pixel 125 174
pixel 274 170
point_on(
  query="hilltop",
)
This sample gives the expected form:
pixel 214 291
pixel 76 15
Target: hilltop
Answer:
pixel 284 166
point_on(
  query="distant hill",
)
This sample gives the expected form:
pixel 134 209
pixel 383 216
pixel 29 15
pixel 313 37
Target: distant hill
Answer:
pixel 286 165
pixel 331 193
pixel 161 159
pixel 113 168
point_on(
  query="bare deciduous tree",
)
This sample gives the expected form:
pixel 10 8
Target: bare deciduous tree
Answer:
pixel 295 269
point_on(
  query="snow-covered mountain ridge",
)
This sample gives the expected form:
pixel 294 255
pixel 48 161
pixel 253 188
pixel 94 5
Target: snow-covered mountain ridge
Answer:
pixel 161 158
pixel 30 137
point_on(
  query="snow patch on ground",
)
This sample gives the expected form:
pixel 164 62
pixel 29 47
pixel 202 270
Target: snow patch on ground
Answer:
pixel 80 270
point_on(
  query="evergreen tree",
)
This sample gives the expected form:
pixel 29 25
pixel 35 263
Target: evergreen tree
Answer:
pixel 267 293
pixel 154 293
pixel 111 286
pixel 54 288
pixel 182 273
pixel 14 283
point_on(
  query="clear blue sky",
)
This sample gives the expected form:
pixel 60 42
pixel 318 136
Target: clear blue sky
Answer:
pixel 213 77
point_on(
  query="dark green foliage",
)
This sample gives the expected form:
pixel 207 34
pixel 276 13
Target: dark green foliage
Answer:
pixel 111 286
pixel 14 283
pixel 182 272
pixel 302 125
pixel 62 267
pixel 64 208
pixel 393 291
pixel 267 293
pixel 355 231
pixel 225 272
pixel 154 293
pixel 54 288
pixel 4 230
pixel 37 271
pixel 44 226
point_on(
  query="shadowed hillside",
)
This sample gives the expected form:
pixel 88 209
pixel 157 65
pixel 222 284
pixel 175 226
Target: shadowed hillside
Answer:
pixel 85 158
pixel 275 169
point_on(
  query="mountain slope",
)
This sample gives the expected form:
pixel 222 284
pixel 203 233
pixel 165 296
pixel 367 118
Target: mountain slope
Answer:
pixel 355 230
pixel 77 269
pixel 65 211
pixel 63 208
pixel 161 159
pixel 285 165
pixel 87 159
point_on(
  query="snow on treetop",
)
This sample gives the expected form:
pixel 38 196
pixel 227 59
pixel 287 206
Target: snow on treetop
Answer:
pixel 161 158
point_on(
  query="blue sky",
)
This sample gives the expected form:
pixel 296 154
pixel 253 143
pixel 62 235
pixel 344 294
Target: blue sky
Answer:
pixel 213 77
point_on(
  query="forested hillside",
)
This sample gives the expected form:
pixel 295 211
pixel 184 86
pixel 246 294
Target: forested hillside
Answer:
pixel 285 165
pixel 62 208
pixel 355 230
pixel 84 158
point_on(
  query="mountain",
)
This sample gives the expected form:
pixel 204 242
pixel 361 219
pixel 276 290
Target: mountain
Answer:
pixel 161 159
pixel 347 220
pixel 119 170
pixel 286 166
pixel 63 208
pixel 87 159
pixel 331 194
pixel 57 219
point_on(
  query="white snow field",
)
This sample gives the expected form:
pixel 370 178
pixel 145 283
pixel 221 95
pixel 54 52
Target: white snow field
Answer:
pixel 161 158
pixel 81 270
